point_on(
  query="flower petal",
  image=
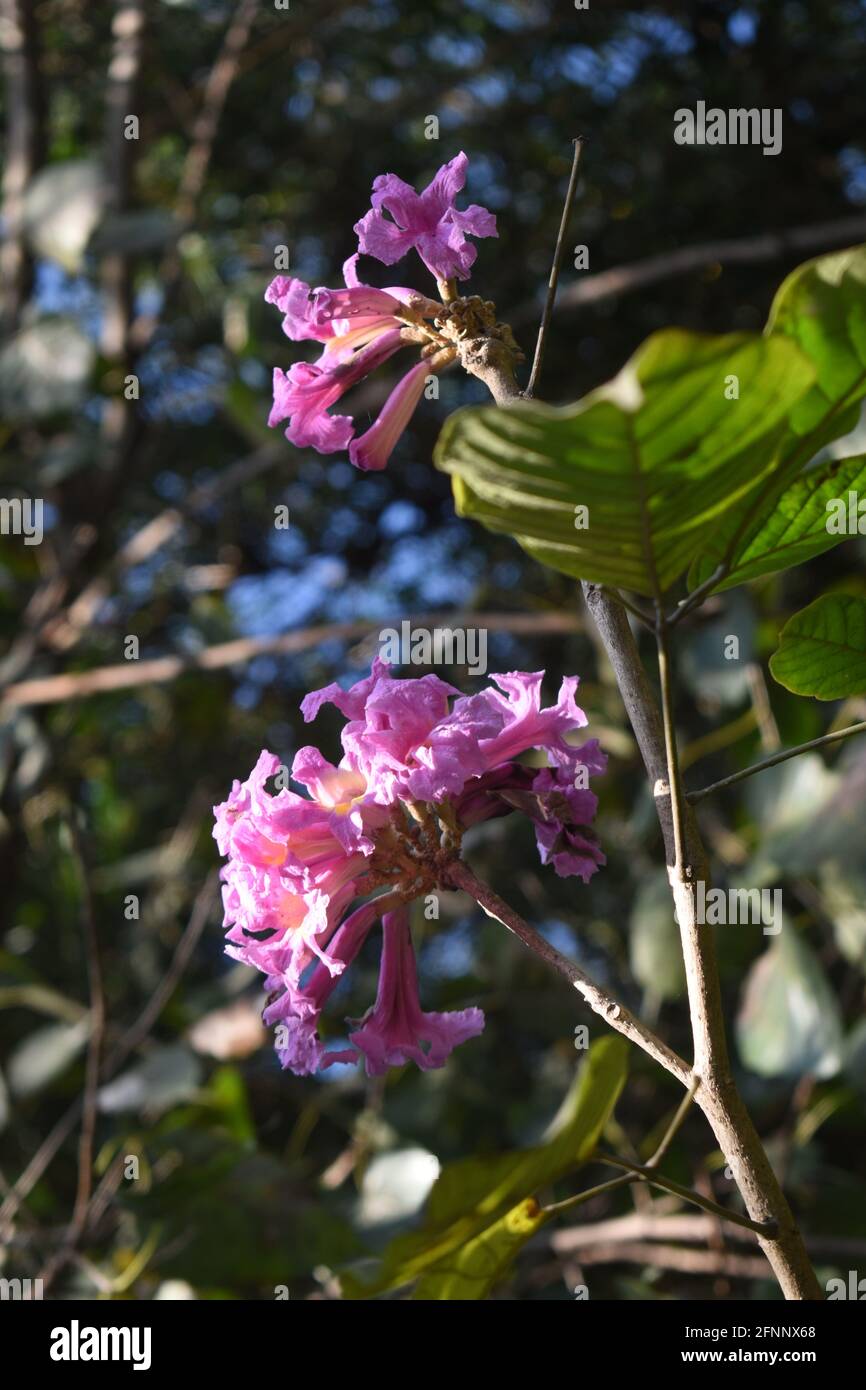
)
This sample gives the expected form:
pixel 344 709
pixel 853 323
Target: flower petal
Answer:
pixel 383 239
pixel 395 1030
pixel 373 449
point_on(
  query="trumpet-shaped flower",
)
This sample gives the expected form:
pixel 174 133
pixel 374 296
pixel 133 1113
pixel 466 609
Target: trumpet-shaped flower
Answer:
pixel 396 1030
pixel 416 754
pixel 360 326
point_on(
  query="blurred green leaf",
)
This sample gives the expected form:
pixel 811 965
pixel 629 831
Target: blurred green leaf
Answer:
pixel 229 1093
pixel 44 370
pixel 805 814
pixel 43 1055
pixel 789 1023
pixel 62 207
pixel 654 940
pixel 822 649
pixel 478 1265
pixel 821 306
pixel 477 1217
pixel 166 1076
pixel 843 888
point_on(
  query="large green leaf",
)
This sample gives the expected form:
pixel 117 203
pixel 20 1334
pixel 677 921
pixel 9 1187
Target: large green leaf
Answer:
pixel 822 649
pixel 798 527
pixel 656 457
pixel 477 1214
pixel 821 307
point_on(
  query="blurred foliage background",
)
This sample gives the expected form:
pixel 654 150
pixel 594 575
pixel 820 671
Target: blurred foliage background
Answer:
pixel 258 127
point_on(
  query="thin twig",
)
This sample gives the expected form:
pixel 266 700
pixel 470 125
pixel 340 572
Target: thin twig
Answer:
pixel 135 1035
pixel 697 596
pixel 615 1184
pixel 676 1123
pixel 198 157
pixel 767 1229
pixel 771 740
pixel 776 758
pixel 97 1034
pixel 541 342
pixel 615 1014
pixel 642 617
pixel 731 1265
pixel 686 1227
pixel 198 919
pixel 601 1189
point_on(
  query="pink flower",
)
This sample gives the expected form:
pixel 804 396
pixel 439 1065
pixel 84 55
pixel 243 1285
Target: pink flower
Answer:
pixel 298 865
pixel 293 868
pixel 305 394
pixel 373 450
pixel 340 318
pixel 360 328
pixel 407 745
pixel 427 221
pixel 296 1012
pixel 396 1030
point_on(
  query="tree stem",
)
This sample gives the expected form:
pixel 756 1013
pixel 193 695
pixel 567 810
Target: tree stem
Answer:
pixel 781 757
pixel 615 1014
pixel 717 1094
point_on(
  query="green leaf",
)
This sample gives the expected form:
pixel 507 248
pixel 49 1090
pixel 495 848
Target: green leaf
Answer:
pixel 45 370
pixel 479 1264
pixel 807 814
pixel 789 1023
pixel 843 888
pixel 822 649
pixel 477 1215
pixel 654 940
pixel 798 526
pixel 45 1054
pixel 655 456
pixel 820 307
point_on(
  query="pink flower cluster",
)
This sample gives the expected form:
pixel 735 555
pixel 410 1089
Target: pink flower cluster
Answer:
pixel 360 327
pixel 298 864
